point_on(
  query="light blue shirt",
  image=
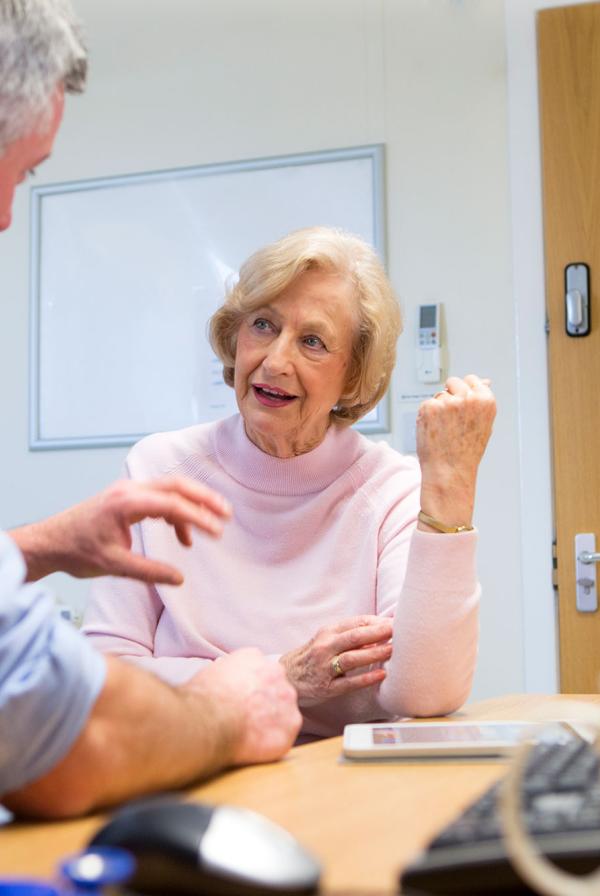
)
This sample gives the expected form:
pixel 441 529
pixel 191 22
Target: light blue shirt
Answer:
pixel 50 676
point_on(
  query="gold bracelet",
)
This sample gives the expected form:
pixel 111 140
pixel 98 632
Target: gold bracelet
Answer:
pixel 441 527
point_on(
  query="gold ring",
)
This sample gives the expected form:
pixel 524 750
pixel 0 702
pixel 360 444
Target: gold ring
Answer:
pixel 437 394
pixel 336 667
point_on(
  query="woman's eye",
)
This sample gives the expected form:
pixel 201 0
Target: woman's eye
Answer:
pixel 261 324
pixel 314 342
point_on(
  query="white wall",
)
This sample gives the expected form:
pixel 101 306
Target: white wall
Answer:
pixel 184 83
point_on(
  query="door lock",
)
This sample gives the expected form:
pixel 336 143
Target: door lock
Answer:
pixel 586 558
pixel 577 299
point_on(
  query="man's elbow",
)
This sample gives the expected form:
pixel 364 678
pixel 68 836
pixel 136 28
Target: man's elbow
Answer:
pixel 76 785
pixel 50 798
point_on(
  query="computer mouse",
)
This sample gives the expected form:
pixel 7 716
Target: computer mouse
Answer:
pixel 183 847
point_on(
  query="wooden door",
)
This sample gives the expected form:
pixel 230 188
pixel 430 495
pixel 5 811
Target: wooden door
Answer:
pixel 569 85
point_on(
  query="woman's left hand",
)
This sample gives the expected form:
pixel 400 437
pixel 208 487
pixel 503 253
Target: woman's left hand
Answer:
pixel 453 429
pixel 318 669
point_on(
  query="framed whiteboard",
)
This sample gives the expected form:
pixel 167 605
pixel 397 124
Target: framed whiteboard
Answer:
pixel 126 271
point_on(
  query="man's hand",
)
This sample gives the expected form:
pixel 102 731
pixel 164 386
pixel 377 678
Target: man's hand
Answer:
pixel 94 539
pixel 144 735
pixel 254 699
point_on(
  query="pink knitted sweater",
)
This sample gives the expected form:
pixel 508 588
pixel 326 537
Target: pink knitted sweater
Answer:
pixel 314 539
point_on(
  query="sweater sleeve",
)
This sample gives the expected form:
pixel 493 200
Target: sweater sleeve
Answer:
pixel 428 583
pixel 121 619
pixel 436 624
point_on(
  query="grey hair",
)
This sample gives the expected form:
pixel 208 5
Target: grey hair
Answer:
pixel 41 47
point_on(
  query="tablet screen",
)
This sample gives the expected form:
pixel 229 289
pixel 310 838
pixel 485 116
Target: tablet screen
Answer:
pixel 447 734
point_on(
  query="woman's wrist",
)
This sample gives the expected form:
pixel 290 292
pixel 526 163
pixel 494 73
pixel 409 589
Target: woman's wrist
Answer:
pixel 437 525
pixel 451 505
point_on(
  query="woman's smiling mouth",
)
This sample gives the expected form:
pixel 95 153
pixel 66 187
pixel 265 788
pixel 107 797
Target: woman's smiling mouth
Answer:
pixel 272 397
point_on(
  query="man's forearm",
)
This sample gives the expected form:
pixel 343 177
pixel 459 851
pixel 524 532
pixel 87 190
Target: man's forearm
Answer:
pixel 142 735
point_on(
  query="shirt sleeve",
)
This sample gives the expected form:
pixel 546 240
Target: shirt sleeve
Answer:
pixel 50 677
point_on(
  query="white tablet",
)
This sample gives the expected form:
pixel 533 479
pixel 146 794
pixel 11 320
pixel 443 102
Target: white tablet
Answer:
pixel 408 739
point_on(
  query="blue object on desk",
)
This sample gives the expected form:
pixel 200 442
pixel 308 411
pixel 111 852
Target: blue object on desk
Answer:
pixel 84 874
pixel 25 888
pixel 98 867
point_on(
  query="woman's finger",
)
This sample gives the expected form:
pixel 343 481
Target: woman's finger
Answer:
pixel 456 386
pixel 358 659
pixel 347 684
pixel 351 622
pixel 478 383
pixel 362 636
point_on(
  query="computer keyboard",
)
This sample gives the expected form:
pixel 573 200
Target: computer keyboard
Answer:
pixel 560 808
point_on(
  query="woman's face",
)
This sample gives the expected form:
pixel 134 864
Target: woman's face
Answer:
pixel 292 361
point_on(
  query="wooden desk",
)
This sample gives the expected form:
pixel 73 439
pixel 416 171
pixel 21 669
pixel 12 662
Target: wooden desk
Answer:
pixel 364 822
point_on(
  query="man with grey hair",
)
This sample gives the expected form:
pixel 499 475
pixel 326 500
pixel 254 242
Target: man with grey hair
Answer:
pixel 79 730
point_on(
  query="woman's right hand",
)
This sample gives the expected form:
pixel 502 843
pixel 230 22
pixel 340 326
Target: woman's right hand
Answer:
pixel 319 670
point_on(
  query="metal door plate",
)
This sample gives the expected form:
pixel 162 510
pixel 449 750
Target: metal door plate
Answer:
pixel 585 574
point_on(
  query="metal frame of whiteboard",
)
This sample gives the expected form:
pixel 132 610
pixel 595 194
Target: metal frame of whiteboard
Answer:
pixel 377 421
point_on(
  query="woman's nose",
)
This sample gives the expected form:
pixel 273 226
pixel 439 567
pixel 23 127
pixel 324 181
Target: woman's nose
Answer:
pixel 279 356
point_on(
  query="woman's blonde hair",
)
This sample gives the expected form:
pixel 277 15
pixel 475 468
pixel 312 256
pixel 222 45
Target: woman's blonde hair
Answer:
pixel 273 268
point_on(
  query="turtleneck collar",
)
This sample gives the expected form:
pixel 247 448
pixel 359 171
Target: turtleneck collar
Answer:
pixel 301 475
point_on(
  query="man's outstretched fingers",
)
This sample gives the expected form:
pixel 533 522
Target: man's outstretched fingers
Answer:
pixel 194 492
pixel 134 566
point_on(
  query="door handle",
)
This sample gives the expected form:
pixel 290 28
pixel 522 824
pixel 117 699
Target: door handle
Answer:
pixel 586 557
pixel 574 308
pixel 577 299
pixel 589 557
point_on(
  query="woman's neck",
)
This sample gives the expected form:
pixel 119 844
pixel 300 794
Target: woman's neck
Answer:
pixel 286 446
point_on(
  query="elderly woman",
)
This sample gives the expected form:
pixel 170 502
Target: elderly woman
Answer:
pixel 350 564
